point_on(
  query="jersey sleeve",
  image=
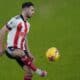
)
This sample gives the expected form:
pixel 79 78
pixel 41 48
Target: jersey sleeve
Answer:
pixel 11 24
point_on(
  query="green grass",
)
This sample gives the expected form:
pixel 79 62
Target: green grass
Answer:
pixel 56 23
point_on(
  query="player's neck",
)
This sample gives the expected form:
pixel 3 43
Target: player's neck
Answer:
pixel 24 17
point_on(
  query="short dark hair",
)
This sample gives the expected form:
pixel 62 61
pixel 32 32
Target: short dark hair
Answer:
pixel 27 4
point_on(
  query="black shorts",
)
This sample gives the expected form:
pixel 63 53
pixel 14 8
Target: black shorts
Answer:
pixel 16 58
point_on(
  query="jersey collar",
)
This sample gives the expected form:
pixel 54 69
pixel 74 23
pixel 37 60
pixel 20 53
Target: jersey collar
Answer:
pixel 22 18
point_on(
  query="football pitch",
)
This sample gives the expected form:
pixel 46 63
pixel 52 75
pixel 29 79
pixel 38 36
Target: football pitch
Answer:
pixel 56 23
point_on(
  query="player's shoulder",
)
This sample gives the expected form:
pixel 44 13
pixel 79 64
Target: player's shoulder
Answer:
pixel 16 18
pixel 14 21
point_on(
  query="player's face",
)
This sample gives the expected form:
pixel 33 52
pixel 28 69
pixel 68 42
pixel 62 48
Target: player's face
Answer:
pixel 30 11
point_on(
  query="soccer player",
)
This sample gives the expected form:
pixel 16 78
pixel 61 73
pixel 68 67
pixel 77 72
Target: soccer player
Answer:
pixel 17 46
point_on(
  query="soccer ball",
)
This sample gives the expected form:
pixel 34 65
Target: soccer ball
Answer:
pixel 52 54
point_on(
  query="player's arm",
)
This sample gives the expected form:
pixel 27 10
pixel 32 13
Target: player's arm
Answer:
pixel 3 32
pixel 9 26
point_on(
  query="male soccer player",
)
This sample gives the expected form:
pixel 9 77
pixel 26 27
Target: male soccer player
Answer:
pixel 17 47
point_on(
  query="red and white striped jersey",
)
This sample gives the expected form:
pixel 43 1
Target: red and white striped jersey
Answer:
pixel 18 31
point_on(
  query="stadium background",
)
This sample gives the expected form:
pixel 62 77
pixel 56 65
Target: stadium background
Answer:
pixel 56 23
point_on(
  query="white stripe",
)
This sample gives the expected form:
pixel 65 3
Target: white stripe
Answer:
pixel 19 42
pixel 10 37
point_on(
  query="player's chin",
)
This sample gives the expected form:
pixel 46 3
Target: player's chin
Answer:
pixel 29 16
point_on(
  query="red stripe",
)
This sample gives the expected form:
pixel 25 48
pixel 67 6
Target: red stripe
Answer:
pixel 17 34
pixel 22 43
pixel 24 35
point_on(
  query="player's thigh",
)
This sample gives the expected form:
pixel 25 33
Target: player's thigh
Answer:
pixel 28 71
pixel 18 52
